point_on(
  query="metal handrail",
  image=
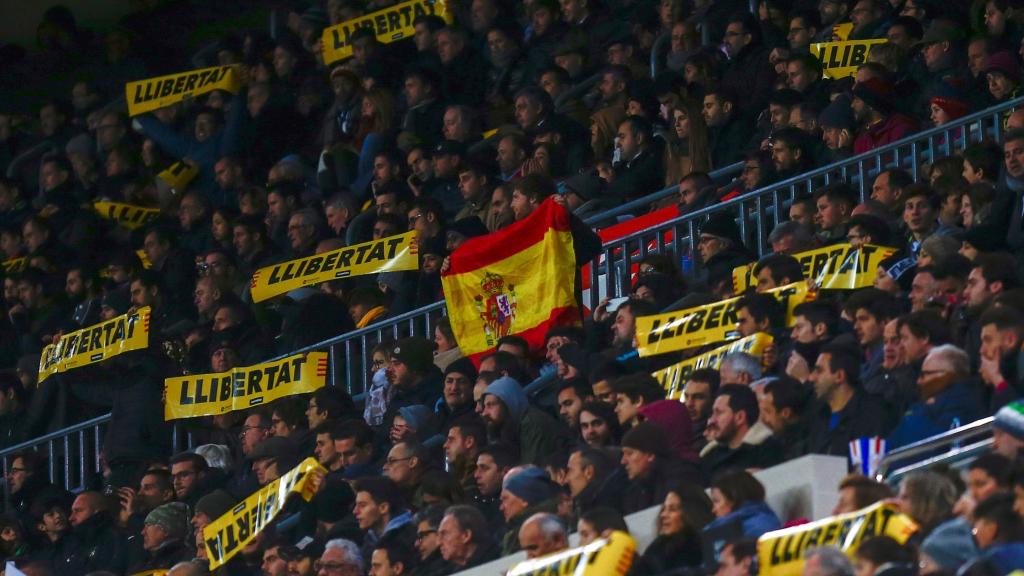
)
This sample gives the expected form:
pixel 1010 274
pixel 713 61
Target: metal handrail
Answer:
pixel 953 457
pixel 982 427
pixel 349 351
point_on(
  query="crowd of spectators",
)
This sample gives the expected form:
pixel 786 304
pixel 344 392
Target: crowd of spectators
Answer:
pixel 445 464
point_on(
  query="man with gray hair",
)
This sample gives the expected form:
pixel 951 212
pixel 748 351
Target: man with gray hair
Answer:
pixel 340 554
pixel 790 237
pixel 739 368
pixel 827 561
pixel 190 568
pixel 304 228
pixel 543 534
pixel 465 538
pixel 947 397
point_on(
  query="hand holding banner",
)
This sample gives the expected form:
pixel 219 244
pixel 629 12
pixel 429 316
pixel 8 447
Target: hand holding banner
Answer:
pixel 841 59
pixel 781 553
pixel 96 343
pixel 388 24
pixel 834 267
pixel 243 388
pixel 611 556
pixel 127 215
pixel 390 254
pixel 155 93
pixel 707 324
pixel 226 536
pixel 675 376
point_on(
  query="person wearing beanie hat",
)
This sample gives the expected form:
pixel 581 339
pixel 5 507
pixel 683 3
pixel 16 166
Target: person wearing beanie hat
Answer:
pixel 949 546
pixel 571 362
pixel 722 250
pixel 413 423
pixel 948 102
pixel 896 274
pixel 525 492
pixel 459 378
pixel 412 376
pixel 510 418
pixel 1008 430
pixel 464 229
pixel 651 467
pixel 874 110
pixel 210 507
pixel 164 537
pixel 1003 74
pixel 837 127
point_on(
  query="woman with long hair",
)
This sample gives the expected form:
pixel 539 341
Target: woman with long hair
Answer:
pixel 684 513
pixel 689 150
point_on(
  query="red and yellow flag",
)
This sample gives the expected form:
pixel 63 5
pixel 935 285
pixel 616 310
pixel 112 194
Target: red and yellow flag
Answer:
pixel 518 280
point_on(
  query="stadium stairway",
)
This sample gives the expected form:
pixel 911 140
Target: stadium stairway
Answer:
pixel 74 452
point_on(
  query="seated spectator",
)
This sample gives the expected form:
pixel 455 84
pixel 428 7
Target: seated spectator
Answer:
pixel 542 534
pixel 465 539
pixel 733 415
pixel 650 467
pixel 685 511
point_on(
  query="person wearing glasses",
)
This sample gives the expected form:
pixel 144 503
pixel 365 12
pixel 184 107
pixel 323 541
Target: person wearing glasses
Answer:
pixel 428 542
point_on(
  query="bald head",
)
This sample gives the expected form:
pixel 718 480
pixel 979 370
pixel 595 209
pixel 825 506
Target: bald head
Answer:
pixel 85 506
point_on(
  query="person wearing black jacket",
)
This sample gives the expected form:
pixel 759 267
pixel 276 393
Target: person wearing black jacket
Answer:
pixel 465 554
pixel 750 75
pixel 733 414
pixel 413 377
pixel 163 538
pixel 95 543
pixel 844 411
pixel 594 480
pixel 651 468
pixel 640 170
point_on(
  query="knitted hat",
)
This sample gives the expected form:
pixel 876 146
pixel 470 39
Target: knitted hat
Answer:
pixel 574 355
pixel 951 99
pixel 646 437
pixel 838 114
pixel 215 504
pixel 462 366
pixel 470 227
pixel 876 93
pixel 511 394
pixel 117 299
pixel 587 185
pixel 1010 419
pixel 420 419
pixel 172 517
pixel 985 238
pixel 434 245
pixel 334 502
pixel 722 225
pixel 1005 63
pixel 951 544
pixel 901 269
pixel 416 353
pixel 532 485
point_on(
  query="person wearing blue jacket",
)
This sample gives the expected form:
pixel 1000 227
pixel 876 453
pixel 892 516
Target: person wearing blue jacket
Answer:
pixel 214 136
pixel 999 531
pixel 737 501
pixel 948 397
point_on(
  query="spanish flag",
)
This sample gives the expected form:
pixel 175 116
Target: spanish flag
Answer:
pixel 518 280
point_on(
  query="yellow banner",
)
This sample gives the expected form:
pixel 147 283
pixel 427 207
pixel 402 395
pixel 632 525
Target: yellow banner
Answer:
pixel 151 573
pixel 841 59
pixel 612 556
pixel 14 265
pixel 242 388
pixel 390 25
pixel 390 254
pixel 707 324
pixel 179 174
pixel 96 343
pixel 127 215
pixel 154 93
pixel 781 553
pixel 227 535
pixel 835 267
pixel 842 31
pixel 144 259
pixel 675 376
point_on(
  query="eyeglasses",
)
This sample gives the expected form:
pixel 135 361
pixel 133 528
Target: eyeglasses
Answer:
pixel 393 461
pixel 246 429
pixel 424 533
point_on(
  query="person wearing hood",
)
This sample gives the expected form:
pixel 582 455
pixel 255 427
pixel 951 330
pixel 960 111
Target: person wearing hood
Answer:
pixel 594 480
pixel 674 420
pixel 721 250
pixel 164 537
pixel 947 397
pixel 651 467
pixel 525 492
pixel 413 424
pixel 412 376
pixel 510 418
pixel 381 511
pixel 737 501
pixel 999 532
